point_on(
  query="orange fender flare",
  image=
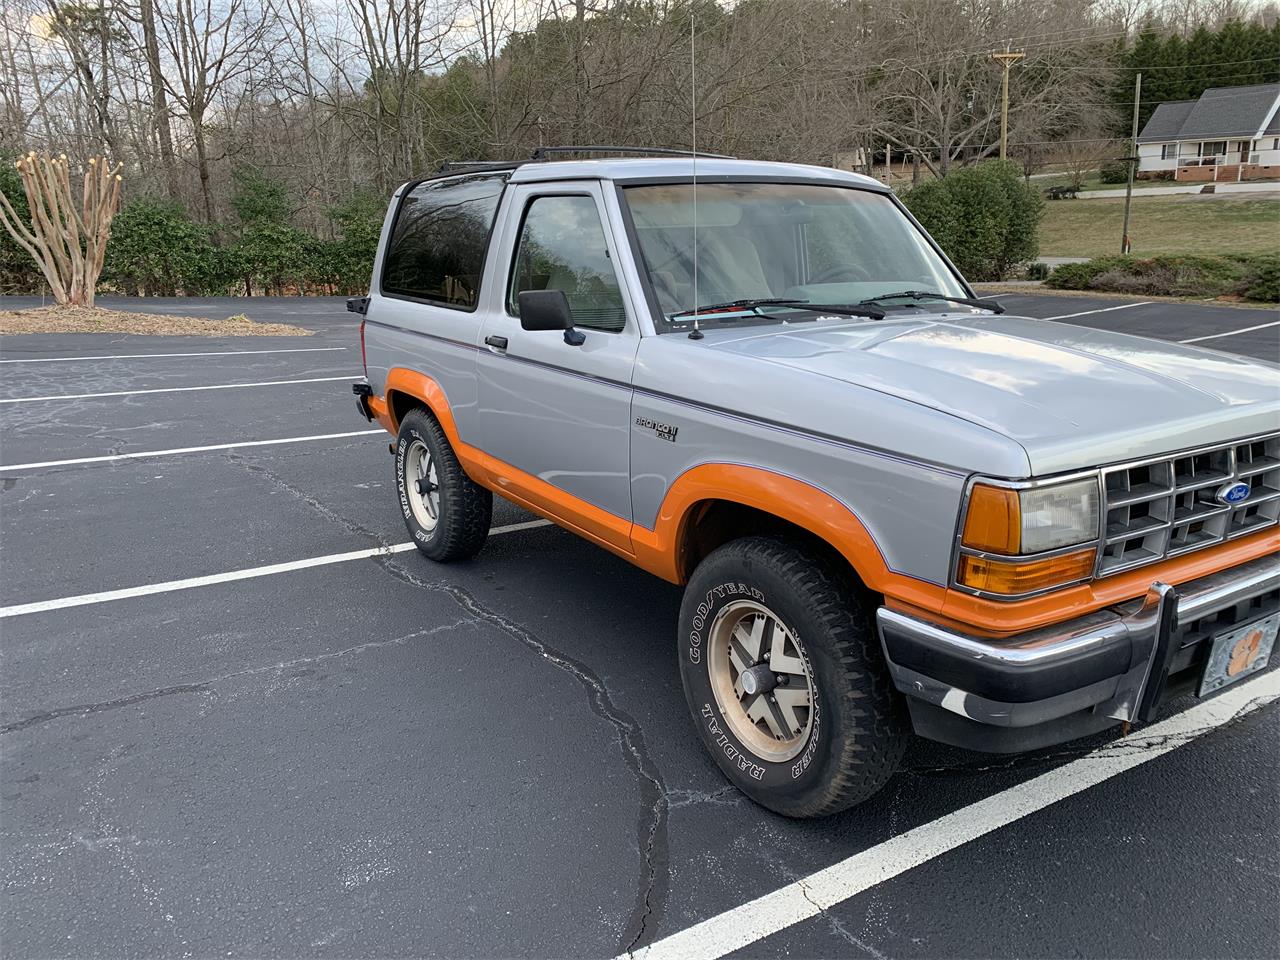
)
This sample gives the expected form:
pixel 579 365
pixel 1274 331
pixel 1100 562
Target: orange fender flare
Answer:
pixel 787 498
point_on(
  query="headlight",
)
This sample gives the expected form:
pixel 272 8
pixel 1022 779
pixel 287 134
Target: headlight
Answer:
pixel 1059 516
pixel 1025 525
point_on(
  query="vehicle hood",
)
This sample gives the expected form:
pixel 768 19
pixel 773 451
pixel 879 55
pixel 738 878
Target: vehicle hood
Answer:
pixel 1071 396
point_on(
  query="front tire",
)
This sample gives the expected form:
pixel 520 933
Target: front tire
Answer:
pixel 783 674
pixel 446 512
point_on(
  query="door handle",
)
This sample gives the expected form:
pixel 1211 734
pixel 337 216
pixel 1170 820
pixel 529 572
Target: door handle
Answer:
pixel 498 343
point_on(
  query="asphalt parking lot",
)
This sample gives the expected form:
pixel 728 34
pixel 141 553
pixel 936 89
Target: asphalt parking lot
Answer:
pixel 326 746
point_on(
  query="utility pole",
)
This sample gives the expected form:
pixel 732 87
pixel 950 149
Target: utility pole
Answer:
pixel 1006 60
pixel 1133 163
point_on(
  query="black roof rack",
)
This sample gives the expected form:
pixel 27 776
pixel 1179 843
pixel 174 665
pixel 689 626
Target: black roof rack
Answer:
pixel 542 152
pixel 545 153
pixel 477 166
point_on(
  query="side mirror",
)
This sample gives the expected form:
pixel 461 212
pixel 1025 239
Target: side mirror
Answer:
pixel 548 310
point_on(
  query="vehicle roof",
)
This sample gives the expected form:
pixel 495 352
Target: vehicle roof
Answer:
pixel 654 168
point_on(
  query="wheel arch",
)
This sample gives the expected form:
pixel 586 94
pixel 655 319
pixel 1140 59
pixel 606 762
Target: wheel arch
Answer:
pixel 407 389
pixel 714 503
pixel 400 402
pixel 714 522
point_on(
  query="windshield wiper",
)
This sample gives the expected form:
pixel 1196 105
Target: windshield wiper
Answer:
pixel 931 295
pixel 840 309
pixel 749 304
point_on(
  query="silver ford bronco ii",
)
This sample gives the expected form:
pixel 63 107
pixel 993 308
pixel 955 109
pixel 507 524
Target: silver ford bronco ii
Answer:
pixel 894 508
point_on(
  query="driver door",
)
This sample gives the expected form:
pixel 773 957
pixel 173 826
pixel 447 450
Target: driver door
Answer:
pixel 558 416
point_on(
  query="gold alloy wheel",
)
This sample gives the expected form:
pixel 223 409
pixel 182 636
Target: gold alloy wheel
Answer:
pixel 760 678
pixel 422 485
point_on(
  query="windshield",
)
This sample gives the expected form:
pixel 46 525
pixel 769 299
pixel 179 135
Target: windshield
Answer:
pixel 825 244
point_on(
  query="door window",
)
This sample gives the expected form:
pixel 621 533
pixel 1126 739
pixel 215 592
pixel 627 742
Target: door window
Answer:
pixel 562 247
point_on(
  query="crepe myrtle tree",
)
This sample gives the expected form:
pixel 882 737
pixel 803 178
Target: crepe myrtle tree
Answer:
pixel 67 239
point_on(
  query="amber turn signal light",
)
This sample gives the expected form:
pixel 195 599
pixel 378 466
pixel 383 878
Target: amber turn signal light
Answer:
pixel 994 521
pixel 1015 577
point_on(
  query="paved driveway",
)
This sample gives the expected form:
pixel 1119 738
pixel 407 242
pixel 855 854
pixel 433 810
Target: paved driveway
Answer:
pixel 237 718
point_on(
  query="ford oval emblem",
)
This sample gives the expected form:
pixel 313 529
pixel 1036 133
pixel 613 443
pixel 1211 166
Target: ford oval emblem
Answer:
pixel 1233 493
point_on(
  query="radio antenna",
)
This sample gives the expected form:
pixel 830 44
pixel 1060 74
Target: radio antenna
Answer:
pixel 696 332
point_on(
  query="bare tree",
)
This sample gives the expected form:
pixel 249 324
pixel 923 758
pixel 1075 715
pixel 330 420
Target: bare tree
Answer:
pixel 210 43
pixel 89 34
pixel 1084 150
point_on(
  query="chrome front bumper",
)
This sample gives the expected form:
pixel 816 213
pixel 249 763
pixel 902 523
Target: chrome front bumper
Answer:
pixel 1071 679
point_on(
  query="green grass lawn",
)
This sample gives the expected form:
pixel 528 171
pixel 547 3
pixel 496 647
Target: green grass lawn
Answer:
pixel 1177 224
pixel 1090 182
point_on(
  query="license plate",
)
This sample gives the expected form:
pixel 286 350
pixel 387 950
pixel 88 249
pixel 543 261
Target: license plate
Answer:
pixel 1238 654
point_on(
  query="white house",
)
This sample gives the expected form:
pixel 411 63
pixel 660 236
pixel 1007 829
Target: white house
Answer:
pixel 1230 133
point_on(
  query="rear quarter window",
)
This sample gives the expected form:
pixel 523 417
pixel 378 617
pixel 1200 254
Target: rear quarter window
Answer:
pixel 437 246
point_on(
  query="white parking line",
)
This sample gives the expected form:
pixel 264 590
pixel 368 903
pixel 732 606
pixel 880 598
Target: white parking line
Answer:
pixel 1232 333
pixel 130 393
pixel 148 356
pixel 1085 313
pixel 803 899
pixel 169 586
pixel 173 451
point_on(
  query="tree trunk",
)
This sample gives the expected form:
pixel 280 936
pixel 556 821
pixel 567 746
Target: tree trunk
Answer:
pixel 202 164
pixel 159 103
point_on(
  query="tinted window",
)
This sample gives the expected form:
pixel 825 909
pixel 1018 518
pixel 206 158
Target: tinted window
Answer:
pixel 437 246
pixel 562 248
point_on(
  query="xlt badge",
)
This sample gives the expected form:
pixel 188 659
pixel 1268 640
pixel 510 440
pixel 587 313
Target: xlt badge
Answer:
pixel 665 431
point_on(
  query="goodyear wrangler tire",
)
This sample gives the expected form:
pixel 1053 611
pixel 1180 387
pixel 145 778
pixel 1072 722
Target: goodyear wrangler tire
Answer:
pixel 446 512
pixel 783 674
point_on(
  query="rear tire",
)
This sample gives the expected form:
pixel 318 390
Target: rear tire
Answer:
pixel 783 674
pixel 446 512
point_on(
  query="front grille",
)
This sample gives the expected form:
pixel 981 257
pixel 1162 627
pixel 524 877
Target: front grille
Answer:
pixel 1167 506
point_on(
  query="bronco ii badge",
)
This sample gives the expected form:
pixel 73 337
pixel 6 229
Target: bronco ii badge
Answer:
pixel 665 431
pixel 1232 493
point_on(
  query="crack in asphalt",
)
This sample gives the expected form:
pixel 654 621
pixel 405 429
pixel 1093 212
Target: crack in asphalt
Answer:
pixel 836 926
pixel 652 824
pixel 239 460
pixel 729 796
pixel 204 686
pixel 655 803
pixel 85 709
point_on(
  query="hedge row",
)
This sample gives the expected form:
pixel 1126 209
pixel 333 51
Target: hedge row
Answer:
pixel 1250 276
pixel 156 249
